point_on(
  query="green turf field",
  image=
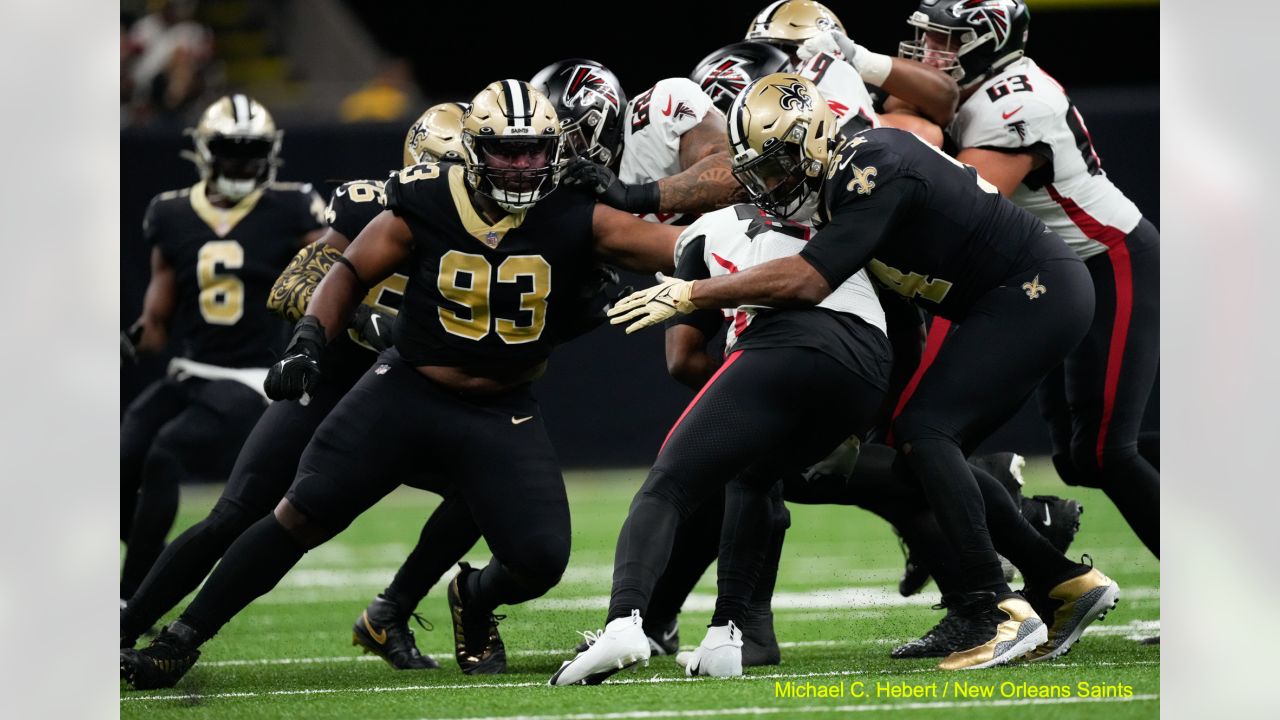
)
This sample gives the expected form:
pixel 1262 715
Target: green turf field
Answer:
pixel 838 615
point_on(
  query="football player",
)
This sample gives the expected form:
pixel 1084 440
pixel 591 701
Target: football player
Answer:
pixel 927 98
pixel 269 460
pixel 496 258
pixel 216 247
pixel 1017 126
pixel 937 233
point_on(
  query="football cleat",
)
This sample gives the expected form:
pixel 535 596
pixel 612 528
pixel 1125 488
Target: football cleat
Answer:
pixel 620 645
pixel 719 655
pixel 941 640
pixel 1005 467
pixel 1075 604
pixel 759 643
pixel 994 633
pixel 383 629
pixel 1057 519
pixel 162 663
pixel 477 645
pixel 914 575
pixel 664 638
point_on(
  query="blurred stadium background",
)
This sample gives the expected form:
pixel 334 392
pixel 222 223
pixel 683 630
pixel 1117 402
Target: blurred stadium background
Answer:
pixel 345 78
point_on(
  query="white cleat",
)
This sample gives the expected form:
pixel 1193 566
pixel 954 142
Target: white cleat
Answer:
pixel 622 644
pixel 719 655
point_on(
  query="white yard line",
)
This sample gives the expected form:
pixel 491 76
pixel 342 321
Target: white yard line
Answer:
pixel 786 709
pixel 637 681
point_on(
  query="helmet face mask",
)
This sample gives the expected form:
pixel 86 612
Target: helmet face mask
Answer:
pixel 968 39
pixel 511 145
pixel 776 179
pixel 237 146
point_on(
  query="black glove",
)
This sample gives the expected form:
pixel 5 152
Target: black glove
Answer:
pixel 640 198
pixel 299 372
pixel 374 327
pixel 129 343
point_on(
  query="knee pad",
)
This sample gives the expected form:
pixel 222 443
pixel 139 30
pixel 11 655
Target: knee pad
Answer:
pixel 668 489
pixel 540 563
pixel 307 532
pixel 228 520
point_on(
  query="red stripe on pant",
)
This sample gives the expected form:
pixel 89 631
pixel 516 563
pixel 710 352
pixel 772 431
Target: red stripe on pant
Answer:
pixel 727 362
pixel 1122 269
pixel 932 345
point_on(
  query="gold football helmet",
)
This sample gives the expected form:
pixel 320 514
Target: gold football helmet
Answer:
pixel 781 132
pixel 237 146
pixel 436 136
pixel 511 144
pixel 788 23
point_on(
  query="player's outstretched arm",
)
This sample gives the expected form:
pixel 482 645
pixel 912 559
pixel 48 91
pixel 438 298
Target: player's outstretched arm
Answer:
pixel 383 244
pixel 150 334
pixel 706 181
pixel 929 90
pixel 627 241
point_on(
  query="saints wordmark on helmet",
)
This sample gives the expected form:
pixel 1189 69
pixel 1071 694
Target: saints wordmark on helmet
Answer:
pixel 794 96
pixel 995 14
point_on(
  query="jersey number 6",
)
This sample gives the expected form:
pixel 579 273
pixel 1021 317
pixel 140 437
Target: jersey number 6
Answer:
pixel 465 279
pixel 221 296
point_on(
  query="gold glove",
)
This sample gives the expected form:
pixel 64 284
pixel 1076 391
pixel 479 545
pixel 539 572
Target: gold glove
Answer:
pixel 650 306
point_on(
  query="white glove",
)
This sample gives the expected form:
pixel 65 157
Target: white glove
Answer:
pixel 872 67
pixel 648 307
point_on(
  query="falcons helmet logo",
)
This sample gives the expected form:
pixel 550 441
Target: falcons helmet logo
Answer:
pixel 994 14
pixel 727 78
pixel 585 86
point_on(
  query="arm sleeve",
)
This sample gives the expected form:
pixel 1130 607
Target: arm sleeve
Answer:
pixel 292 291
pixel 857 228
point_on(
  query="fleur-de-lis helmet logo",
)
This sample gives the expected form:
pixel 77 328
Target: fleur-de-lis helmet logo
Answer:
pixel 794 96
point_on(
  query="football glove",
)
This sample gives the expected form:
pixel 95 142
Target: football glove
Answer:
pixel 298 373
pixel 639 198
pixel 670 297
pixel 374 327
pixel 129 340
pixel 872 67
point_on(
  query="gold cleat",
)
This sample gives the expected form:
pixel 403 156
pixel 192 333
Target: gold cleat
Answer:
pixel 1018 631
pixel 1083 600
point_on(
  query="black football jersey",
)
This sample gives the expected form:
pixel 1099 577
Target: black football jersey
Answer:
pixel 353 205
pixel 923 224
pixel 225 262
pixel 481 294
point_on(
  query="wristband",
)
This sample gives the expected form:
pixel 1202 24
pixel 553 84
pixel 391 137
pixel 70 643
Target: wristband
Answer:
pixel 873 67
pixel 644 197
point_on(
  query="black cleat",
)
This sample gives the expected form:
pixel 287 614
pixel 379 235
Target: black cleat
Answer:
pixel 759 643
pixel 943 639
pixel 163 663
pixel 1057 519
pixel 1005 467
pixel 383 629
pixel 477 645
pixel 664 638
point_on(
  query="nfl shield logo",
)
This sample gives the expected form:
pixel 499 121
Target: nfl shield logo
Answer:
pixel 381 369
pixel 491 239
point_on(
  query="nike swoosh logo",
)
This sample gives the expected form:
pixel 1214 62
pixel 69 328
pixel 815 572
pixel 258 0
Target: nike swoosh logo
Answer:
pixel 374 319
pixel 516 421
pixel 1048 521
pixel 667 635
pixel 667 112
pixel 1011 113
pixel 378 637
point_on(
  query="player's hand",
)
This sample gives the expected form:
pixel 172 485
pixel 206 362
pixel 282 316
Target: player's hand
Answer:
pixel 298 373
pixel 374 327
pixel 639 198
pixel 129 340
pixel 648 307
pixel 832 42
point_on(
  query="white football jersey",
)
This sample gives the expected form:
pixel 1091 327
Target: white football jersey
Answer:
pixel 1023 107
pixel 843 89
pixel 655 120
pixel 741 236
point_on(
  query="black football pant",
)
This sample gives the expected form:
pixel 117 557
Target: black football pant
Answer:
pixel 175 429
pixel 1095 400
pixel 262 474
pixel 391 426
pixel 1008 341
pixel 765 413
